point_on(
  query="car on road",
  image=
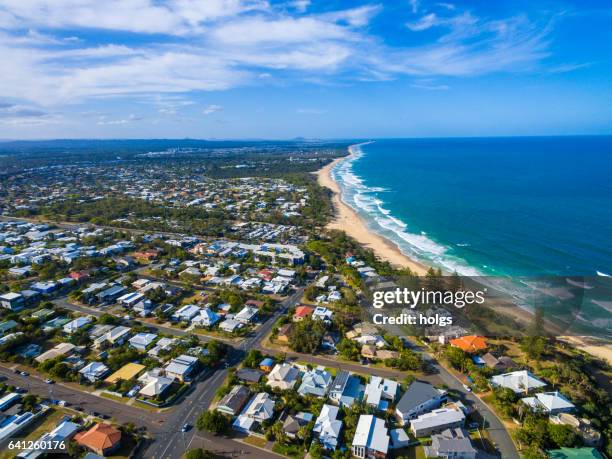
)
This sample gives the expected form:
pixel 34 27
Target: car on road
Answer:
pixel 467 388
pixel 24 373
pixel 185 427
pixel 49 381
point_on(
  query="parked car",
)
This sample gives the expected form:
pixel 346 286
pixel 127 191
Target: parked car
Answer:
pixel 24 373
pixel 467 388
pixel 49 381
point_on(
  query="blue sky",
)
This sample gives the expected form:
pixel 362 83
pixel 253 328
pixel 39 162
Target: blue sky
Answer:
pixel 281 69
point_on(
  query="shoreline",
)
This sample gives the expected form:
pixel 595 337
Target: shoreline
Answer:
pixel 348 220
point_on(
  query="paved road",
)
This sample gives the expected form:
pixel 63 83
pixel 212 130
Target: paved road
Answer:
pixel 171 443
pixel 88 402
pixel 496 429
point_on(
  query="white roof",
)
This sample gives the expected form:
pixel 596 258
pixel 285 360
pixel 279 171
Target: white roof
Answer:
pixel 550 401
pixel 142 339
pixel 155 386
pixel 94 368
pixel 440 417
pixel 518 381
pixel 371 433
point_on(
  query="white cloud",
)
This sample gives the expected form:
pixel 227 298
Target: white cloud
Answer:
pixel 216 45
pixel 423 23
pixel 300 5
pixel 104 121
pixel 209 110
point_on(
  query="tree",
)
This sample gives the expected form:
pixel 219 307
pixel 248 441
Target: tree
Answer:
pixel 306 335
pixel 253 358
pixel 198 453
pixel 212 421
pixel 349 349
pixel 562 435
pixel 311 292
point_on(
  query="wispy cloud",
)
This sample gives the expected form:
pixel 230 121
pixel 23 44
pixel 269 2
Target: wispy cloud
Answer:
pixel 182 46
pixel 210 109
pixel 104 121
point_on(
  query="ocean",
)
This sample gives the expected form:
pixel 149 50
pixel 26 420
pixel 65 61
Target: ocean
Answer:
pixel 519 206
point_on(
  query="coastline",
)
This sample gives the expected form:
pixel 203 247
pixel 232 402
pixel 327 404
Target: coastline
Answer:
pixel 346 219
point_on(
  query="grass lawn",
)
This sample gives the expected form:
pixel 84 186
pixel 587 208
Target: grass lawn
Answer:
pixel 256 441
pixel 289 450
pixel 114 397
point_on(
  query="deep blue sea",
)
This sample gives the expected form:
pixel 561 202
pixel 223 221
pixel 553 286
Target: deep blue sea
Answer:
pixel 489 206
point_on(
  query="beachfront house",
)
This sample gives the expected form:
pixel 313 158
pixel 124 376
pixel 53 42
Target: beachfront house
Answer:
pixel 419 398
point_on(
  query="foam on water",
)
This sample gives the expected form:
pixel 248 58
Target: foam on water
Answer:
pixel 365 201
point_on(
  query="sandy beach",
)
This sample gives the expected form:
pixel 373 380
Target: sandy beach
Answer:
pixel 348 220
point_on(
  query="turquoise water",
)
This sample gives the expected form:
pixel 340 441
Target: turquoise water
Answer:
pixel 489 206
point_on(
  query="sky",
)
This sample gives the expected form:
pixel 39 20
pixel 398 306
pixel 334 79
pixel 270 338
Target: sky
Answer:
pixel 299 68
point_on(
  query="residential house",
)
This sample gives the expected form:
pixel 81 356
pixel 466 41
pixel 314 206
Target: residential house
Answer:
pixel 102 439
pixel 181 367
pixel 380 392
pixel 186 313
pixel 293 423
pixel 419 398
pixel 551 403
pixel 327 427
pixel 154 384
pixel 246 315
pixel 205 318
pixel 141 341
pixel 249 375
pixel 518 381
pixel 230 325
pixel 324 314
pixel 315 382
pixel 11 300
pixel 284 376
pixel 345 389
pixel 94 371
pixel 284 334
pixel 259 409
pixel 62 349
pixel 451 444
pixel 76 324
pixel 470 344
pixel 62 433
pixel 234 401
pixel 301 312
pixel 371 439
pixel 110 294
pixel 266 365
pixel 437 421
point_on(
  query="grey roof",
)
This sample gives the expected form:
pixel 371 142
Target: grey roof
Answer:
pixel 249 374
pixel 449 441
pixel 417 393
pixel 235 399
